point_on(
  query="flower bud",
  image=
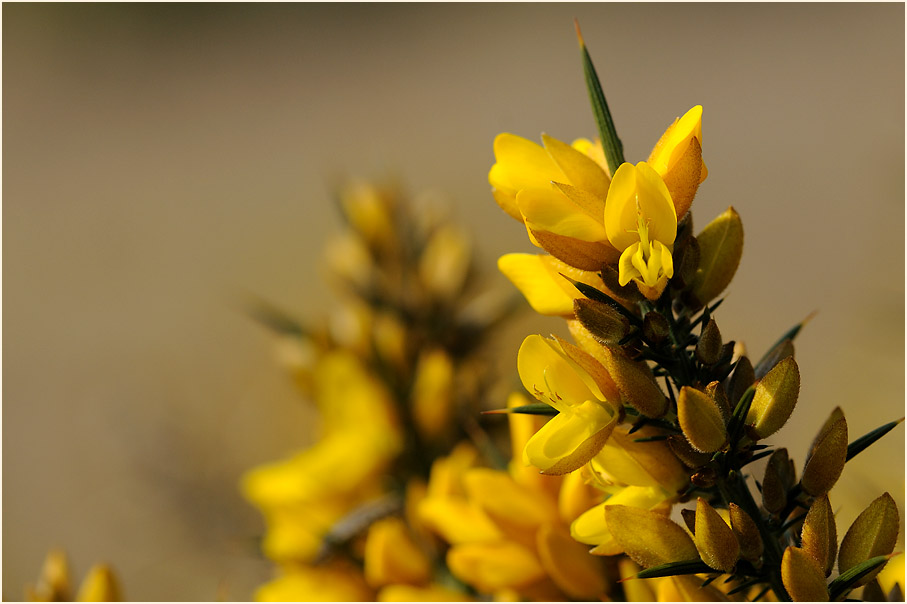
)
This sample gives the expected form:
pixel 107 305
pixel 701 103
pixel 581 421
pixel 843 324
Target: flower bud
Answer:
pixel 569 564
pixel 747 533
pixel 99 585
pixel 682 449
pixel 605 323
pixel 647 537
pixel 708 349
pixel 720 247
pixel 714 539
pixel 391 556
pixel 873 533
pixel 827 456
pixel 432 394
pixel 778 479
pixel 701 420
pixel 819 538
pixel 635 383
pixel 775 398
pixel 716 392
pixel 445 262
pixel 742 378
pixel 655 327
pixel 802 577
pixel 686 261
pixel 781 350
pixel 494 565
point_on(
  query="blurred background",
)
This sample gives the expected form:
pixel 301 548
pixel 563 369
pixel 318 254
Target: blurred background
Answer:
pixel 160 160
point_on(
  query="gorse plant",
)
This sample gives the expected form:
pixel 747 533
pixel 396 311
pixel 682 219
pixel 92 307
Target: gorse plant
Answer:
pixel 652 404
pixel 405 496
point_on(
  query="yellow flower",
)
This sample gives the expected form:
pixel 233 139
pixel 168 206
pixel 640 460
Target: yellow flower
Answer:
pixel 641 222
pixel 563 194
pixel 585 418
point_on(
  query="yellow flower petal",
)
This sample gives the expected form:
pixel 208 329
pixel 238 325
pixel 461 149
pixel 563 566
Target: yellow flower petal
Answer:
pixel 647 464
pixel 432 593
pixel 591 527
pixel 457 520
pixel 649 538
pixel 501 497
pixel 638 193
pixel 548 209
pixel 571 438
pixel 675 141
pixel 580 170
pixel 391 556
pixel 539 278
pixel 492 566
pixel 569 564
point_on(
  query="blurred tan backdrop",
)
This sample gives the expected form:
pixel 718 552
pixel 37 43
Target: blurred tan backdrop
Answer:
pixel 160 158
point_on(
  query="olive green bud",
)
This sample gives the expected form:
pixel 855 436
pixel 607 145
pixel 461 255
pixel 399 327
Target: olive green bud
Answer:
pixel 820 535
pixel 648 538
pixel 628 293
pixel 781 350
pixel 774 401
pixel 604 322
pixel 706 478
pixel 742 378
pixel 873 533
pixel 714 539
pixel 635 382
pixel 802 577
pixel 690 457
pixel 747 533
pixel 827 456
pixel 717 393
pixel 720 249
pixel 701 420
pixel 709 347
pixel 686 262
pixel 655 327
pixel 778 479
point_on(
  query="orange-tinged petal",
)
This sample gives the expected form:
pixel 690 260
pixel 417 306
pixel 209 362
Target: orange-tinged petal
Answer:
pixel 675 141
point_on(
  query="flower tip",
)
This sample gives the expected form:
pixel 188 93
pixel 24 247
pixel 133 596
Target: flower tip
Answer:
pixel 579 34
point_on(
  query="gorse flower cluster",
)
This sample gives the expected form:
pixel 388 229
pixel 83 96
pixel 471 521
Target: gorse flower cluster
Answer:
pixel 55 583
pixel 406 495
pixel 651 405
pixel 397 499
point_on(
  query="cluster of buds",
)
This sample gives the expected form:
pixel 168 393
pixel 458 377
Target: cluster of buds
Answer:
pixel 651 404
pixel 55 585
pixel 405 496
